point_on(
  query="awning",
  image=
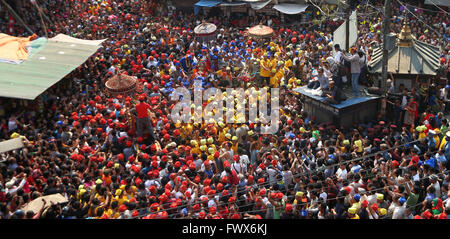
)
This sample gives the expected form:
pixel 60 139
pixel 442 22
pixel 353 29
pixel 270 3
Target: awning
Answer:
pixel 445 3
pixel 205 3
pixel 50 60
pixel 259 5
pixel 208 3
pixel 231 4
pixel 290 8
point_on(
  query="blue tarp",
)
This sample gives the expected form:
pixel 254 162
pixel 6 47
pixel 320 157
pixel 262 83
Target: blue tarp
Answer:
pixel 205 3
pixel 350 101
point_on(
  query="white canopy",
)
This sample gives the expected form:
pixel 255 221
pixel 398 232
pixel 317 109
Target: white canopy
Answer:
pixel 259 5
pixel 290 8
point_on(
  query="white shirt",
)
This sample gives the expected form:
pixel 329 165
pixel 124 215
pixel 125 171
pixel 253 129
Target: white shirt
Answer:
pixel 342 174
pixel 236 167
pixel 272 175
pixel 211 203
pixel 338 57
pixel 12 125
pixel 437 188
pixel 399 212
pixel 244 160
pixel 324 196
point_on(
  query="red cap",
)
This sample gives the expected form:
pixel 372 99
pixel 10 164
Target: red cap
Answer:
pixel 212 210
pixel 122 208
pixel 364 203
pixel 374 207
pixel 225 179
pixel 262 166
pixel 120 156
pixel 289 207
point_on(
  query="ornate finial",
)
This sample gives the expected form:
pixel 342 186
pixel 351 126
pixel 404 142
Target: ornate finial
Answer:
pixel 405 38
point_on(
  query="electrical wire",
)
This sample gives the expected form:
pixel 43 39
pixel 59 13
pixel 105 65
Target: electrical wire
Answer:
pixel 335 165
pixel 418 18
pixel 295 175
pixel 437 7
pixel 372 190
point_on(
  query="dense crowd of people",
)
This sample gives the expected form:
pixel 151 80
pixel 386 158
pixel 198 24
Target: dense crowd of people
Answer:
pixel 121 156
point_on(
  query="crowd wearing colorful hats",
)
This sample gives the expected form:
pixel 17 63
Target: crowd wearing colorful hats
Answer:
pixel 91 146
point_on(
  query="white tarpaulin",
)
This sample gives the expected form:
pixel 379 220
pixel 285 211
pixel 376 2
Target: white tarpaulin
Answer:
pixel 69 39
pixel 445 3
pixel 339 34
pixel 259 5
pixel 290 8
pixel 11 144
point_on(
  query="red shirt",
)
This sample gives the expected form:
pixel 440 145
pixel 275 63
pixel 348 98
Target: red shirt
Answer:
pixel 142 110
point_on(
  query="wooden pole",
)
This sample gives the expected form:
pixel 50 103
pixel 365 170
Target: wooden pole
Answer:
pixel 386 31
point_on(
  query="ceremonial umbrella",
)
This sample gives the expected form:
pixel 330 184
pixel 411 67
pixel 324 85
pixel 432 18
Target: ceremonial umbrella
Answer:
pixel 205 31
pixel 121 84
pixel 260 31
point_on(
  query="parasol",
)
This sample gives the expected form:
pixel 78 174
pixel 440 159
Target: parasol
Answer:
pixel 121 83
pixel 260 31
pixel 37 203
pixel 205 31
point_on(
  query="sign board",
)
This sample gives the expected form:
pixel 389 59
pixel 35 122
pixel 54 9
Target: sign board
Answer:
pixel 339 34
pixel 11 144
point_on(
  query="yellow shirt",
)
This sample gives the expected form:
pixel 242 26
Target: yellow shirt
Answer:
pixel 263 72
pixel 235 148
pixel 121 200
pixel 275 80
pixel 438 141
pixel 422 135
pixel 288 64
pixel 357 205
pixel 196 150
pixel 100 198
pixel 110 213
pixel 274 62
pixel 442 143
pixel 358 144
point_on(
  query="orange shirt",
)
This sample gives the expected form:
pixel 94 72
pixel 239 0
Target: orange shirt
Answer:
pixel 107 180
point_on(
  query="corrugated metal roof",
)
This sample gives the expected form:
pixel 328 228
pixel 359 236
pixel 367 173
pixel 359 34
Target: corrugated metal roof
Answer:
pixel 420 58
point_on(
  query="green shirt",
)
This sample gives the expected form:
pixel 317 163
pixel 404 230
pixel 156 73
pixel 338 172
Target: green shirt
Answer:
pixel 412 200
